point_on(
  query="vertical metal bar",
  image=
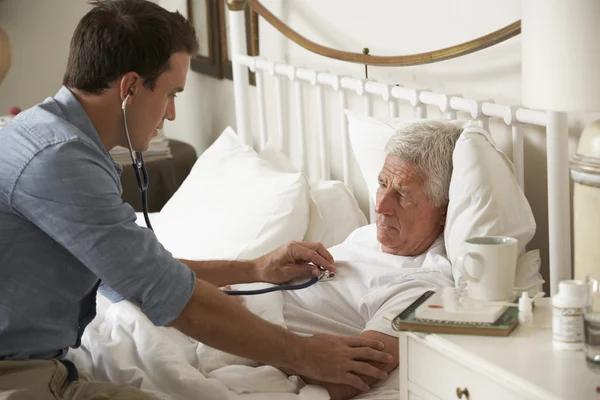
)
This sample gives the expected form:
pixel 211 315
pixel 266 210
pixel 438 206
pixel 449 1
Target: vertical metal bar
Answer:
pixel 260 99
pixel 518 155
pixel 368 104
pixel 393 108
pixel 283 142
pixel 241 96
pixel 324 159
pixel 345 141
pixel 420 111
pixel 485 123
pixel 450 115
pixel 300 124
pixel 559 224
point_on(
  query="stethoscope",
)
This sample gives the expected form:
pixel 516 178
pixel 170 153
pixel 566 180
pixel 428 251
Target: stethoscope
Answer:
pixel 141 176
pixel 139 167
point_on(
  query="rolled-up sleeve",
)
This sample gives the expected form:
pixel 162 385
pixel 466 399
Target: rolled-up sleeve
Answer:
pixel 71 191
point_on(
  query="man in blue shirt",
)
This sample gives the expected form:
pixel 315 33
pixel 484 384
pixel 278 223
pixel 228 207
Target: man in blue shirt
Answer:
pixel 64 228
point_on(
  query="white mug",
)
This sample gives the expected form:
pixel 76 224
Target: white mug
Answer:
pixel 493 267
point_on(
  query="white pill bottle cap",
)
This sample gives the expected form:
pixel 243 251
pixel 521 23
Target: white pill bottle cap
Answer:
pixel 571 293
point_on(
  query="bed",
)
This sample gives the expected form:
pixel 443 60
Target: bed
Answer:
pixel 280 152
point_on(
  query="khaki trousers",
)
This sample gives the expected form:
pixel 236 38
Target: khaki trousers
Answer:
pixel 52 380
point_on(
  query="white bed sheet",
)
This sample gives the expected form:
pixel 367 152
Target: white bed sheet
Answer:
pixel 122 345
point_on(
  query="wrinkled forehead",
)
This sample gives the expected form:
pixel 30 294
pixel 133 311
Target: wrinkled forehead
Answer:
pixel 401 171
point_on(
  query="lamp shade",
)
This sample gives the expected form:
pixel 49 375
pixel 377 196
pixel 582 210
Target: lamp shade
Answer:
pixel 561 55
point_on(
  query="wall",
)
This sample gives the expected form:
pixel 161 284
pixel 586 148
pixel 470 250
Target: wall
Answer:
pixel 40 31
pixel 205 108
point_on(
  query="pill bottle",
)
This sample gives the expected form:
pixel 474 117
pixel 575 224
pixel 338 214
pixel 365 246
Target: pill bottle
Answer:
pixel 567 315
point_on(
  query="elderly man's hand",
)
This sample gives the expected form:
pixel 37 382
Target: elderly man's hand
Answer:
pixel 341 360
pixel 293 260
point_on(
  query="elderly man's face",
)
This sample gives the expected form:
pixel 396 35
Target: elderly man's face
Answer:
pixel 407 221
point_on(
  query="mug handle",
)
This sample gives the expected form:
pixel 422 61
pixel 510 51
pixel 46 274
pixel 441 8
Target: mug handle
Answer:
pixel 460 264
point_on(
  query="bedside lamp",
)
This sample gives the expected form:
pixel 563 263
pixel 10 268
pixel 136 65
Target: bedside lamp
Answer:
pixel 561 73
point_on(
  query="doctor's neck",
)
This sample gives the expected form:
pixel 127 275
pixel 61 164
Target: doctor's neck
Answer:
pixel 104 110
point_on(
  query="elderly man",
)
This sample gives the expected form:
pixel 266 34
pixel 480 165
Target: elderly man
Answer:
pixel 384 271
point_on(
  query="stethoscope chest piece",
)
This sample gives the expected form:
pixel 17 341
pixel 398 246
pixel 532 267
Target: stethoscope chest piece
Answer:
pixel 325 275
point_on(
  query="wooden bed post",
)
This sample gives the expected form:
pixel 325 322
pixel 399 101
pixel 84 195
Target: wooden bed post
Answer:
pixel 237 25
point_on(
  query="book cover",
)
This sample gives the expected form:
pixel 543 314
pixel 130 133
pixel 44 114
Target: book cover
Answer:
pixel 406 321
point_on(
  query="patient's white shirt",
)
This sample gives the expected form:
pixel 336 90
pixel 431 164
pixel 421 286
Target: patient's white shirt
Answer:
pixel 368 284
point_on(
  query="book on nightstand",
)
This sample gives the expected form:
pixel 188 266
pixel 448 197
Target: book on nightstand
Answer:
pixel 452 322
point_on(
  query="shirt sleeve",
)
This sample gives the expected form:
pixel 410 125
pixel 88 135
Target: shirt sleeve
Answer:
pixel 396 297
pixel 71 191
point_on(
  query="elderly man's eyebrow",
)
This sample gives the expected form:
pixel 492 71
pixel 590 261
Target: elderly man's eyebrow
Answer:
pixel 401 189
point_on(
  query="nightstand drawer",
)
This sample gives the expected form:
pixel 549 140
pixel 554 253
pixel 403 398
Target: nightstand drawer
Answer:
pixel 449 379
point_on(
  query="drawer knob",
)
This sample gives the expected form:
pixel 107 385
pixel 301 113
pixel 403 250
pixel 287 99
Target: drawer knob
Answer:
pixel 462 392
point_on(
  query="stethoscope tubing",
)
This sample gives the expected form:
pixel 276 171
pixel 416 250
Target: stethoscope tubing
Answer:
pixel 299 286
pixel 139 167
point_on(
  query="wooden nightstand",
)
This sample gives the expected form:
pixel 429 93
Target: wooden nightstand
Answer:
pixel 521 366
pixel 165 176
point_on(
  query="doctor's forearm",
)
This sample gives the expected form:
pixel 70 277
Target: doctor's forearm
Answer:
pixel 222 272
pixel 219 321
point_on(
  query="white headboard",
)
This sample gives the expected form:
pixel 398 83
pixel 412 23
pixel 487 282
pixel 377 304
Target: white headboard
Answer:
pixel 309 94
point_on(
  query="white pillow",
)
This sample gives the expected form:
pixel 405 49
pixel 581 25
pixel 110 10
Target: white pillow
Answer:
pixel 368 138
pixel 233 205
pixel 485 198
pixel 334 211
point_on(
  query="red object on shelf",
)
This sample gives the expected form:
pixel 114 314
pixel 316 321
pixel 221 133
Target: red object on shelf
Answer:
pixel 14 111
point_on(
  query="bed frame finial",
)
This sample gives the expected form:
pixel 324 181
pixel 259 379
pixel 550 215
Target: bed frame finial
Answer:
pixel 236 5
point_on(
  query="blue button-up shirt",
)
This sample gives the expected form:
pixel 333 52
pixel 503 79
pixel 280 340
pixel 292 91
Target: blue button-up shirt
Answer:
pixel 64 228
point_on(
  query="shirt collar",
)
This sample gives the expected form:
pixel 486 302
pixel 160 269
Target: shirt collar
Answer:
pixel 74 113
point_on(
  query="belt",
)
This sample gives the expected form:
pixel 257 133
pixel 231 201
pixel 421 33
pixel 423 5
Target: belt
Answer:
pixel 72 374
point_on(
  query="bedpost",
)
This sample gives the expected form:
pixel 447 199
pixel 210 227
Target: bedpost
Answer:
pixel 237 25
pixel 559 210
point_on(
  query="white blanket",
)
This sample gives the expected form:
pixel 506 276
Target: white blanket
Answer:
pixel 122 345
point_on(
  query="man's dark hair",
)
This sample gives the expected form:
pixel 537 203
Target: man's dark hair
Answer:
pixel 120 36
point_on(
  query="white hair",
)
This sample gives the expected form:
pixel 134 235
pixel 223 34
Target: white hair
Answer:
pixel 428 145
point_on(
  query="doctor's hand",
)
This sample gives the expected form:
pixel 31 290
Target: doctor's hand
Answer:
pixel 337 359
pixel 291 261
